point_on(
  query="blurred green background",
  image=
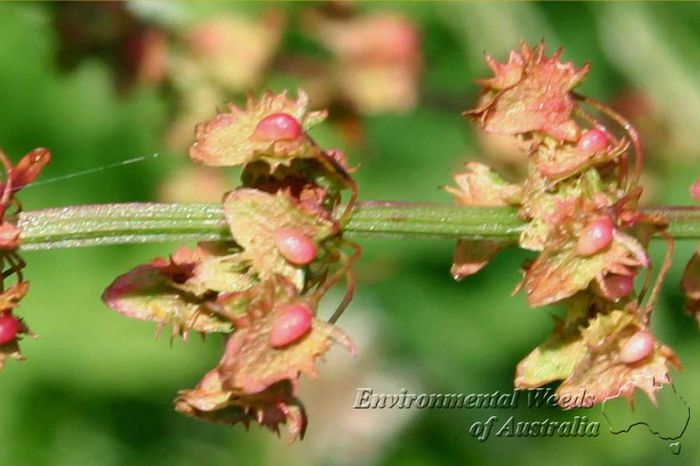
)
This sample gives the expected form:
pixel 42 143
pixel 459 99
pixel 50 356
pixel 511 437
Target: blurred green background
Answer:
pixel 97 387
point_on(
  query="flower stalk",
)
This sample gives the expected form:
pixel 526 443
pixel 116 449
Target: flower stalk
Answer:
pixel 129 223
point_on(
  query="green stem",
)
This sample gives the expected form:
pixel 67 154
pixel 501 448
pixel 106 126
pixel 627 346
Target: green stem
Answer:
pixel 151 222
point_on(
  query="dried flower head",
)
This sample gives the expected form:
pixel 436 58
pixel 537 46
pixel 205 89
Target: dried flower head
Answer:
pixel 530 93
pixel 25 172
pixel 580 201
pixel 262 288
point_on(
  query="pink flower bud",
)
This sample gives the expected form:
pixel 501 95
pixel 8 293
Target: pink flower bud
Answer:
pixel 295 246
pixel 9 327
pixel 596 236
pixel 592 141
pixel 637 347
pixel 277 127
pixel 695 190
pixel 293 323
pixel 618 286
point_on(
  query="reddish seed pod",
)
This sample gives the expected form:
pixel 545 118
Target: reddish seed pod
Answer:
pixel 277 127
pixel 592 141
pixel 9 236
pixel 29 167
pixel 637 347
pixel 9 327
pixel 293 323
pixel 596 236
pixel 618 286
pixel 295 246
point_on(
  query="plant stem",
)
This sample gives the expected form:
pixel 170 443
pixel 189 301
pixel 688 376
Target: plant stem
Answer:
pixel 93 225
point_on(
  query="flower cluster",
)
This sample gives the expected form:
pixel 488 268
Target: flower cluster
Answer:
pixel 579 199
pixel 13 328
pixel 262 288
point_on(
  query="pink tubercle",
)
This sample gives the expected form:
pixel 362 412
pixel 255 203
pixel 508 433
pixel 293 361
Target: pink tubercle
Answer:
pixel 10 326
pixel 637 347
pixel 277 127
pixel 592 141
pixel 595 236
pixel 293 323
pixel 295 246
pixel 618 286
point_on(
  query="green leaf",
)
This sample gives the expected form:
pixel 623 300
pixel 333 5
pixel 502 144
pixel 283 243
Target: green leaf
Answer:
pixel 255 216
pixel 559 274
pixel 227 139
pixel 271 407
pixel 554 359
pixel 251 364
pixel 556 160
pixel 472 255
pixel 602 376
pixel 173 292
pixel 478 185
pixel 530 93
